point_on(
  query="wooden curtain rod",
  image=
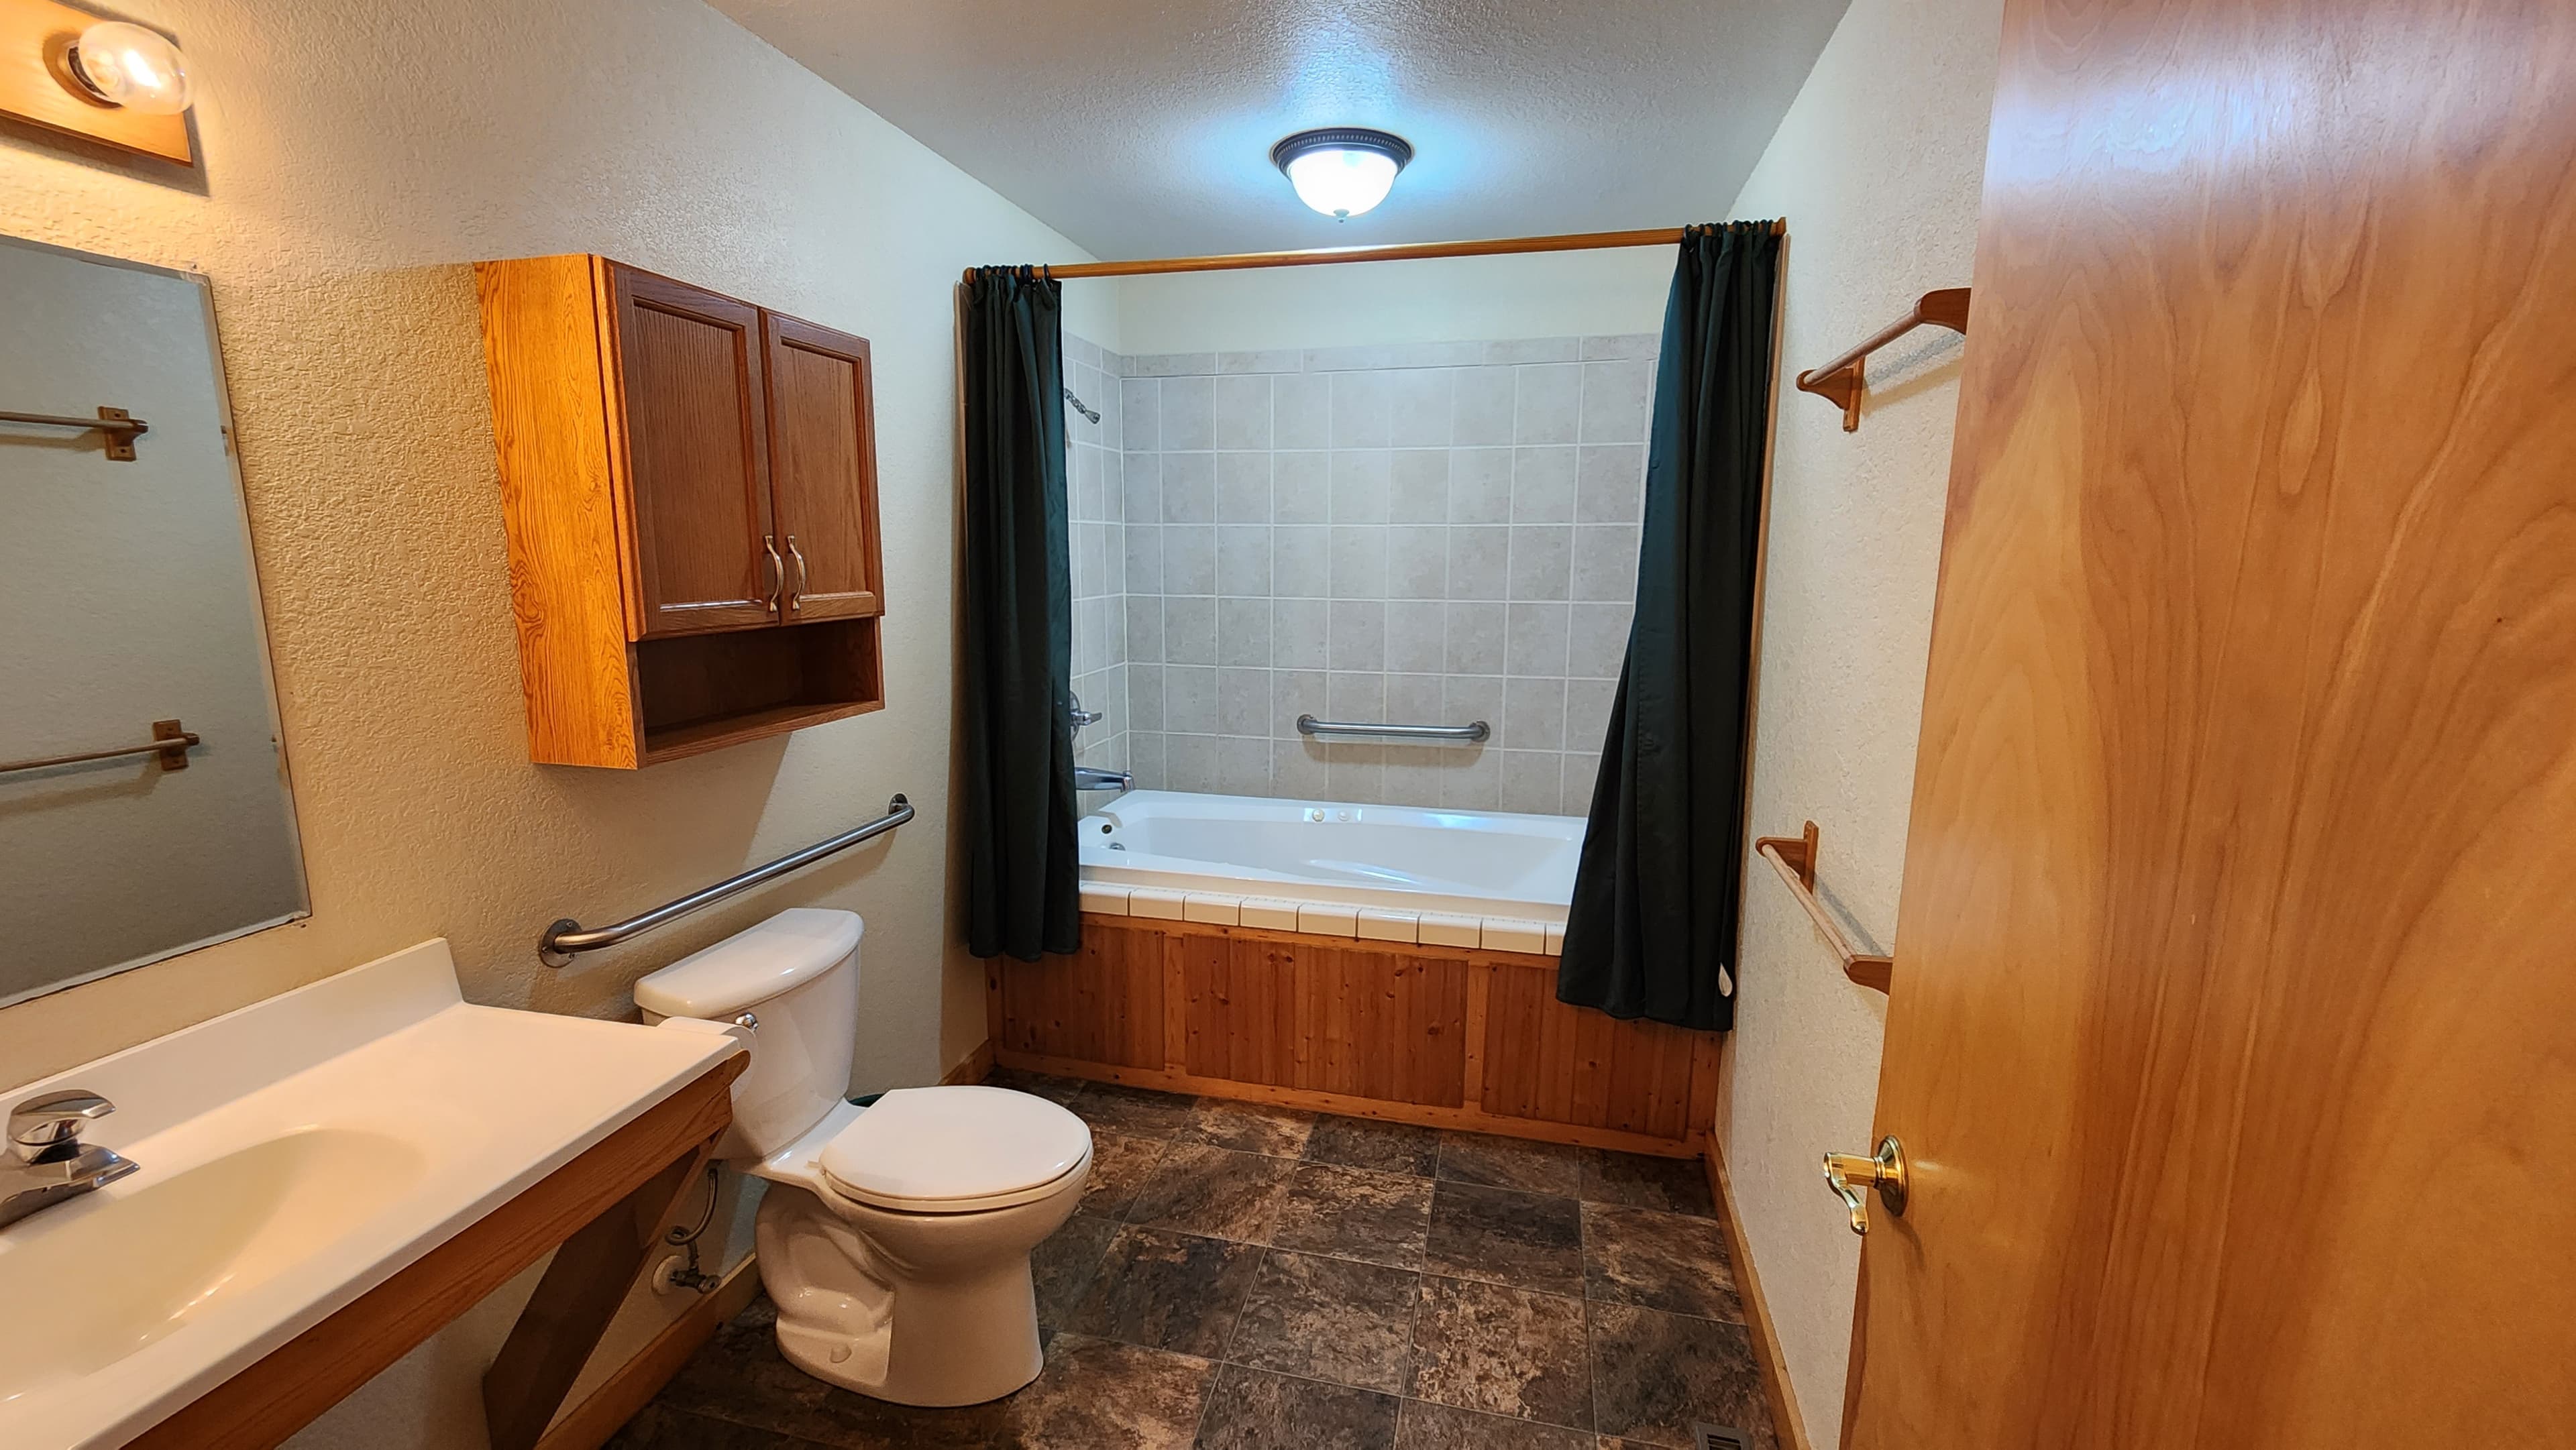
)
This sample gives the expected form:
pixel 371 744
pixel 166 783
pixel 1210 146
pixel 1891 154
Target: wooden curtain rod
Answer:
pixel 1393 252
pixel 1840 381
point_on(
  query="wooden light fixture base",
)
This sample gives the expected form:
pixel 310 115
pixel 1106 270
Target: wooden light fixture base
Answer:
pixel 36 85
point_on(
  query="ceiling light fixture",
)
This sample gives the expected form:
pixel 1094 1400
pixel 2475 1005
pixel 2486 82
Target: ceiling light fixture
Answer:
pixel 1341 171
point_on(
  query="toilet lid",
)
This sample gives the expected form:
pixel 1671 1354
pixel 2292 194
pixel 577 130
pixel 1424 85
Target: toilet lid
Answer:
pixel 950 1149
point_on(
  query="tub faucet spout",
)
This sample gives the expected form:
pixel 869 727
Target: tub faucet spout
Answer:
pixel 1087 777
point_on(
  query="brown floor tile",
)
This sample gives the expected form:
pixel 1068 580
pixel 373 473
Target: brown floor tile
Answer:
pixel 1675 1185
pixel 1249 1127
pixel 1428 1426
pixel 1119 1166
pixel 739 1375
pixel 1216 1191
pixel 1667 1261
pixel 1251 1410
pixel 1328 1319
pixel 1510 1163
pixel 1062 1267
pixel 739 1393
pixel 1097 1395
pixel 1053 1089
pixel 1167 1290
pixel 1508 1351
pixel 1525 1240
pixel 1381 1147
pixel 1136 1112
pixel 658 1428
pixel 1654 1373
pixel 1381 1217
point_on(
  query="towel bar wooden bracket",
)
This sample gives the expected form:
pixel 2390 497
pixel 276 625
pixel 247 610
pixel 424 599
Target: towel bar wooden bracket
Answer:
pixel 1794 857
pixel 1842 381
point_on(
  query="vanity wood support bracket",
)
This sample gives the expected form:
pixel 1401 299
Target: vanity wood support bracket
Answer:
pixel 1842 381
pixel 1794 857
pixel 597 1207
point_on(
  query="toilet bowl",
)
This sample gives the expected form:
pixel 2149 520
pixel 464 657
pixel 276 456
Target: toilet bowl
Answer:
pixel 894 1239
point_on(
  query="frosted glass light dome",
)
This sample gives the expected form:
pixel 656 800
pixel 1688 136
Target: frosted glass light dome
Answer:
pixel 1341 171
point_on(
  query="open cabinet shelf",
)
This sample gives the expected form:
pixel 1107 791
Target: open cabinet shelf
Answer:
pixel 707 691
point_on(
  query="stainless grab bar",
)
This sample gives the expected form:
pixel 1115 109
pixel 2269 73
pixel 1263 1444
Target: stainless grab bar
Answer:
pixel 1473 730
pixel 568 936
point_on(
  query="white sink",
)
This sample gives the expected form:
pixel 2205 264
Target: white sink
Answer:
pixel 293 1155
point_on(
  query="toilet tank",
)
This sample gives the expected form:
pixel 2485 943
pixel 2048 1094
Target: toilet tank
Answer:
pixel 798 974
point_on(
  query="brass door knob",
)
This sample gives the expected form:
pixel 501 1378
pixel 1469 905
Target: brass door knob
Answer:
pixel 1848 1173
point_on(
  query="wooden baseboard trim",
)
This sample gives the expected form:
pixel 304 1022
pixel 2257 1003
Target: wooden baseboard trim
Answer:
pixel 623 1395
pixel 1791 1430
pixel 1467 1119
pixel 973 1068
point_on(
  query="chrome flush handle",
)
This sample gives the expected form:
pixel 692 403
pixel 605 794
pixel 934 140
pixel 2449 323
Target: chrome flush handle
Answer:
pixel 1849 1173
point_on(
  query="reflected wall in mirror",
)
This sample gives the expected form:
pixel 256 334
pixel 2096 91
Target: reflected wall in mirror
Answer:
pixel 127 602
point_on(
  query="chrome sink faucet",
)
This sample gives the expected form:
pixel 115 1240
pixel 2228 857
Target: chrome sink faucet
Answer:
pixel 47 1162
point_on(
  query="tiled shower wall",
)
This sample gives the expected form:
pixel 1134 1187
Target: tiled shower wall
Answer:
pixel 1425 534
pixel 1095 470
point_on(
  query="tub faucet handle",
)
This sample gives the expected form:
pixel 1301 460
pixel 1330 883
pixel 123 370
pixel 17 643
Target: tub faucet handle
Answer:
pixel 1080 716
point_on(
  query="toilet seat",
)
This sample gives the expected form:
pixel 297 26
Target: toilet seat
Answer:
pixel 955 1150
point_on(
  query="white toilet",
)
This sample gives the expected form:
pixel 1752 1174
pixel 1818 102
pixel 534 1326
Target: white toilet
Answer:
pixel 895 1238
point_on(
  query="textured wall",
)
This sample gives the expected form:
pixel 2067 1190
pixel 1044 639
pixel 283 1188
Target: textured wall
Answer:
pixel 338 211
pixel 1462 299
pixel 358 156
pixel 1877 167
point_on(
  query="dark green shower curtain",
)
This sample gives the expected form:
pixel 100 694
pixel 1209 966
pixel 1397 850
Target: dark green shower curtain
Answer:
pixel 1015 733
pixel 1651 932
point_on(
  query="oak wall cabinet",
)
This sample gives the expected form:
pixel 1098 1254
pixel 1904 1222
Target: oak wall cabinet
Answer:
pixel 690 487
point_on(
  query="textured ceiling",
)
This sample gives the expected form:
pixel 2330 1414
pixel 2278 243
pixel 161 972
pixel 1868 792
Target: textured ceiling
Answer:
pixel 1142 128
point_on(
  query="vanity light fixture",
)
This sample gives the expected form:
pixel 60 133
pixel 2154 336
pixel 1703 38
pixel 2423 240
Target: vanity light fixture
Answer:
pixel 127 66
pixel 1342 171
pixel 103 80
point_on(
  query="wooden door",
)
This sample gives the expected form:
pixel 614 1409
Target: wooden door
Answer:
pixel 696 445
pixel 823 463
pixel 2233 1033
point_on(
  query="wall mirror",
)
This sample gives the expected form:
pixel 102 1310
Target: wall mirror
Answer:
pixel 144 807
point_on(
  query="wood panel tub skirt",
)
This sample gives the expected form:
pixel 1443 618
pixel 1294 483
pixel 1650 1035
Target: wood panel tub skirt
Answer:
pixel 1450 1037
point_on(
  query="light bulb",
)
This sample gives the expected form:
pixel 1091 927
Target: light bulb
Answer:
pixel 1342 184
pixel 129 66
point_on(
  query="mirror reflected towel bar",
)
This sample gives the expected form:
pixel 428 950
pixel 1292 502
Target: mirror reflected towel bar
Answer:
pixel 1841 381
pixel 169 741
pixel 120 427
pixel 1472 730
pixel 1794 857
pixel 568 936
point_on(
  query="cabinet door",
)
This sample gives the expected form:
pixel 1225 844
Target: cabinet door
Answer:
pixel 823 464
pixel 688 371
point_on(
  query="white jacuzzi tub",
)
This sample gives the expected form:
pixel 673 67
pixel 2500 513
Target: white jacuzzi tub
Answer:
pixel 1384 873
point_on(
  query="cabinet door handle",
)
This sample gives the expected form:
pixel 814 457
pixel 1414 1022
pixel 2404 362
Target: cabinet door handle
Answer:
pixel 777 571
pixel 796 597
